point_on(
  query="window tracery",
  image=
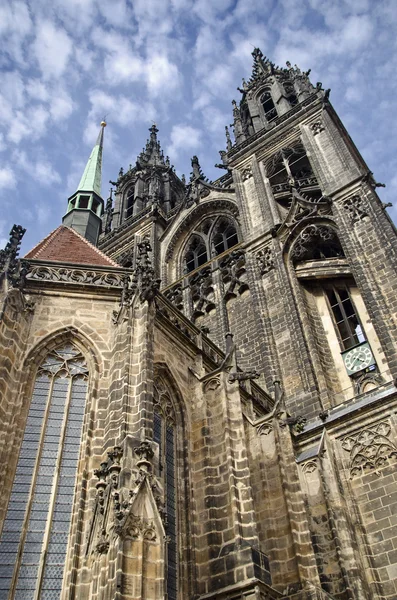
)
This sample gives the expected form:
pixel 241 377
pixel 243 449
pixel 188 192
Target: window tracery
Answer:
pixel 35 535
pixel 196 255
pixel 213 238
pixel 291 168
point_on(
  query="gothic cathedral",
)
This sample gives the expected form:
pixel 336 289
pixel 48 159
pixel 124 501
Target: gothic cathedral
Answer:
pixel 198 378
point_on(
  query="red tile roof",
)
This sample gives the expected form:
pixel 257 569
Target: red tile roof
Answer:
pixel 66 245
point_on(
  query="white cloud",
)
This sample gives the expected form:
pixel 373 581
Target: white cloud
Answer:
pixel 7 178
pixel 61 105
pixel 120 62
pixel 184 137
pixel 37 90
pixel 15 26
pixel 30 123
pixel 38 168
pixel 52 49
pixel 162 76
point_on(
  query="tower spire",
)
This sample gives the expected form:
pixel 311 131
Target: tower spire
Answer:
pixel 92 176
pixel 86 206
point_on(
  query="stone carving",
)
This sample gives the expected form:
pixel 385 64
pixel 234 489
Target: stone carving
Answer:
pixel 233 274
pixel 145 453
pixel 317 127
pixel 243 376
pixel 202 293
pixel 141 283
pixel 108 475
pixel 265 429
pixel 355 206
pixel 109 213
pixel 212 384
pixel 11 268
pixel 78 276
pixel 115 455
pixel 126 259
pixel 139 528
pixel 174 295
pixel 309 466
pixel 296 423
pixel 246 173
pixel 370 449
pixel 265 260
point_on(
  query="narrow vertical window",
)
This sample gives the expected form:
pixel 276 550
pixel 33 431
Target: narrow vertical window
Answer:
pixel 196 255
pixel 35 535
pixel 164 436
pixel 225 237
pixel 268 106
pixel 345 317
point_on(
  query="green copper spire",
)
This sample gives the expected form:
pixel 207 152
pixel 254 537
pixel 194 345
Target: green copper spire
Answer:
pixel 92 176
pixel 85 206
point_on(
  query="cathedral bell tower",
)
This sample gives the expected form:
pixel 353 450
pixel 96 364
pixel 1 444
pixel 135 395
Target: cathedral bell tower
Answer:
pixel 85 206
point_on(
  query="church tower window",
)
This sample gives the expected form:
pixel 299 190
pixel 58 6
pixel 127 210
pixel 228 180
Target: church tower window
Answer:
pixel 34 539
pixel 268 106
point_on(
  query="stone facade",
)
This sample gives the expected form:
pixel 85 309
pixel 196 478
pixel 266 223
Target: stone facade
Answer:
pixel 204 406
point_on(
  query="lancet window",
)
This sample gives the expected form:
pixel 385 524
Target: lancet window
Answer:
pixel 34 539
pixel 164 434
pixel 197 254
pixel 214 237
pixel 268 106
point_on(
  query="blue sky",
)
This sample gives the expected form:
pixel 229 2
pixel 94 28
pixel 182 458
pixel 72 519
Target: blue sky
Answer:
pixel 66 63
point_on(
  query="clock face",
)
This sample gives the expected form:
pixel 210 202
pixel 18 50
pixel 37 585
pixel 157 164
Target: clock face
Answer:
pixel 358 358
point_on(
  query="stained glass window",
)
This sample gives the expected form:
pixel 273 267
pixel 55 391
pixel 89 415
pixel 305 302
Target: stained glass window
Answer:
pixel 34 539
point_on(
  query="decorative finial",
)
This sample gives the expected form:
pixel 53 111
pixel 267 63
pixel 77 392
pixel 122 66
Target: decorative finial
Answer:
pixel 103 123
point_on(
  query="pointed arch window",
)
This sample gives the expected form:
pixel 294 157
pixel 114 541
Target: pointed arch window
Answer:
pixel 224 238
pixel 164 435
pixel 196 255
pixel 268 106
pixel 34 539
pixel 291 168
pixel 129 203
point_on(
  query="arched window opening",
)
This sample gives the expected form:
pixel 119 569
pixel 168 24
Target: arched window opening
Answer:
pixel 316 242
pixel 291 168
pixel 268 106
pixel 224 238
pixel 34 540
pixel 196 255
pixel 129 203
pixel 164 435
